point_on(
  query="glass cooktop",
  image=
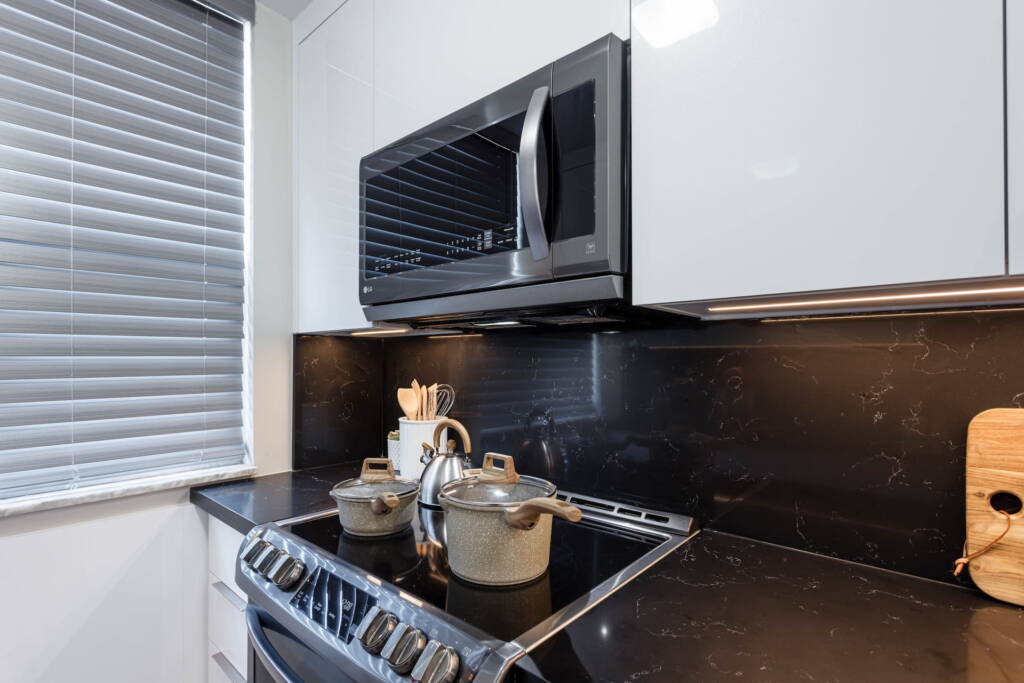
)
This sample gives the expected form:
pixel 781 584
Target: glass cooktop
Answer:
pixel 582 556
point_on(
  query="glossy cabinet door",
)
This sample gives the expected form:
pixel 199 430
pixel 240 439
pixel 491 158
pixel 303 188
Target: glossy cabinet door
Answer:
pixel 432 57
pixel 333 131
pixel 802 145
pixel 1015 133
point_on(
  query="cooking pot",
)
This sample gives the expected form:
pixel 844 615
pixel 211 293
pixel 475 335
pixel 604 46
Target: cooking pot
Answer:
pixel 498 523
pixel 375 503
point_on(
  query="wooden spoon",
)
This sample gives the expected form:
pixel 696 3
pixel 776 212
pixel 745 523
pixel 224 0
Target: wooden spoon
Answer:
pixel 409 401
pixel 423 402
pixel 416 388
pixel 432 401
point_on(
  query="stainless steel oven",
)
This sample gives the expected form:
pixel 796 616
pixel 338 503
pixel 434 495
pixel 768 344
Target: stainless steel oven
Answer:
pixel 516 200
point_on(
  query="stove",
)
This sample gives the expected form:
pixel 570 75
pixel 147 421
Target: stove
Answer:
pixel 325 605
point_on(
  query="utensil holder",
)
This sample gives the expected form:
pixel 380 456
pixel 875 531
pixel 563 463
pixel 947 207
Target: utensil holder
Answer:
pixel 412 434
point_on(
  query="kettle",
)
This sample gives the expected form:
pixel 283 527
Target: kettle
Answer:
pixel 443 466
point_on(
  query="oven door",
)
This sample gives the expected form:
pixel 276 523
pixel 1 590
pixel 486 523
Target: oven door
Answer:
pixel 460 205
pixel 277 656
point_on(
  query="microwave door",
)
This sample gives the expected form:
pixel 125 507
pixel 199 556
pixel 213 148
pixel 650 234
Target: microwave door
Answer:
pixel 588 111
pixel 461 205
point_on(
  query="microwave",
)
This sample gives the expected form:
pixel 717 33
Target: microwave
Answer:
pixel 513 206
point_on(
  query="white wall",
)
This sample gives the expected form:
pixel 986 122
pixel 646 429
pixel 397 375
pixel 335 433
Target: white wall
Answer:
pixel 111 592
pixel 115 592
pixel 272 241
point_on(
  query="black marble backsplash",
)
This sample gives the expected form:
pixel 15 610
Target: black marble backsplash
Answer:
pixel 336 400
pixel 843 437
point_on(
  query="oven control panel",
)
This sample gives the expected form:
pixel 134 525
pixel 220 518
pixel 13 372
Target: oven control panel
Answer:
pixel 354 619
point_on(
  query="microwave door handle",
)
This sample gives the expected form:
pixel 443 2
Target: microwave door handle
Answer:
pixel 531 155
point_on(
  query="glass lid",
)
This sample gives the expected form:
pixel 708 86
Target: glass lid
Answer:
pixel 497 485
pixel 376 477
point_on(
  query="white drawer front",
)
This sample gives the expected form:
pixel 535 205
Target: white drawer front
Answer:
pixel 227 624
pixel 223 550
pixel 220 670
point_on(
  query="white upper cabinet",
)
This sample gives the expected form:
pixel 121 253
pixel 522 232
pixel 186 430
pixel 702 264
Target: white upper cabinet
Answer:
pixel 1015 131
pixel 432 57
pixel 333 131
pixel 800 145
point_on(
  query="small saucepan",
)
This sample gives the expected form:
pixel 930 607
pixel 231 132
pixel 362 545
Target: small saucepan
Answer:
pixel 376 503
pixel 498 523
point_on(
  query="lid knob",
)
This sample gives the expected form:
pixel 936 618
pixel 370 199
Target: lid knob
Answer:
pixel 492 474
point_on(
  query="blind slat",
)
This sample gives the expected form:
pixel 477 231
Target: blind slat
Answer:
pixel 110 283
pixel 122 199
pixel 24 414
pixel 61 345
pixel 119 387
pixel 49 367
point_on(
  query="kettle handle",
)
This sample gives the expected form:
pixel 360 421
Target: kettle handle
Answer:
pixel 457 426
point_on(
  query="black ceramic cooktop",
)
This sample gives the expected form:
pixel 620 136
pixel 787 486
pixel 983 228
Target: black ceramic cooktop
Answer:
pixel 582 556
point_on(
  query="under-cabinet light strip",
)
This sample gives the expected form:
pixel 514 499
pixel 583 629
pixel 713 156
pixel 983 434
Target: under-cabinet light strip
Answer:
pixel 882 314
pixel 867 299
pixel 377 333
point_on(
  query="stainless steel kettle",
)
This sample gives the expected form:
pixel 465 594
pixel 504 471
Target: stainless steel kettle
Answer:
pixel 443 466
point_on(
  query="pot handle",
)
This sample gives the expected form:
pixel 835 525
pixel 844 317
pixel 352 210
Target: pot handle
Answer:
pixel 372 470
pixel 527 514
pixel 491 474
pixel 384 503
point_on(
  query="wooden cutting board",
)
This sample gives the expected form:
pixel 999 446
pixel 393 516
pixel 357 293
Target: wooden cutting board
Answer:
pixel 995 479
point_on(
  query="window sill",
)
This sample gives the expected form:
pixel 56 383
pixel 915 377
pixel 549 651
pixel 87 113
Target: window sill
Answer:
pixel 133 487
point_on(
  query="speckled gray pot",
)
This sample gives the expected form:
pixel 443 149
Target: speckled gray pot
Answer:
pixel 359 519
pixel 498 523
pixel 483 548
pixel 375 503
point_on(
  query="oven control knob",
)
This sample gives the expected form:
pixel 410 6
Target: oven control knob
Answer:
pixel 253 550
pixel 375 629
pixel 265 560
pixel 403 647
pixel 437 664
pixel 285 571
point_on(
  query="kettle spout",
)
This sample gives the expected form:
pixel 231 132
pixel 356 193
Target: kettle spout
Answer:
pixel 428 453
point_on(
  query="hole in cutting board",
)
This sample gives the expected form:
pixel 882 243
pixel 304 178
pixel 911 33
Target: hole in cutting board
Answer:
pixel 1007 502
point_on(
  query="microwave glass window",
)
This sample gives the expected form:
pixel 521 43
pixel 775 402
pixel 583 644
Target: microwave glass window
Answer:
pixel 576 147
pixel 453 203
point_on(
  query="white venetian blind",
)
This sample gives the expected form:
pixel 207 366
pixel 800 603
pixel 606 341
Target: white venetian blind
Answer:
pixel 122 195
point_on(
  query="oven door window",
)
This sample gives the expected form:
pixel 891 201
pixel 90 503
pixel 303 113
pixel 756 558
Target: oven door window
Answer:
pixel 453 203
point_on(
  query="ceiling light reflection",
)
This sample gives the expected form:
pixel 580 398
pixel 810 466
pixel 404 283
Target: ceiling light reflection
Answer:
pixel 665 22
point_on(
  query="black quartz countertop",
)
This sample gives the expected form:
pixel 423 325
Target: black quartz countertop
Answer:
pixel 725 607
pixel 245 503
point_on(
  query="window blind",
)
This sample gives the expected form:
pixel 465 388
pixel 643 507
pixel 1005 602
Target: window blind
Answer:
pixel 122 235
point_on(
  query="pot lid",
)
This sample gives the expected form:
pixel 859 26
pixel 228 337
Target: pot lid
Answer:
pixel 376 477
pixel 497 486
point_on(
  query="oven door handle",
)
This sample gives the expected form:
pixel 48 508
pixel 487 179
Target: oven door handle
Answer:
pixel 532 162
pixel 276 666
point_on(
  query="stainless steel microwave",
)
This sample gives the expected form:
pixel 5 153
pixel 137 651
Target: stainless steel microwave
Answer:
pixel 515 203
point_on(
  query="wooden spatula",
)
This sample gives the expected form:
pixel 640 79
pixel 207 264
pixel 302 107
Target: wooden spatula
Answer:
pixel 419 405
pixel 409 401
